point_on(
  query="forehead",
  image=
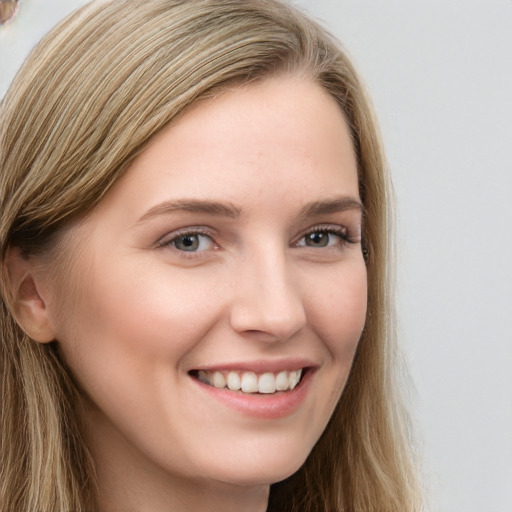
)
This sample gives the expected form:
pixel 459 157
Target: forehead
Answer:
pixel 249 146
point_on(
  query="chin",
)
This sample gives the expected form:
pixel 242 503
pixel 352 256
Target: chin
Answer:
pixel 261 471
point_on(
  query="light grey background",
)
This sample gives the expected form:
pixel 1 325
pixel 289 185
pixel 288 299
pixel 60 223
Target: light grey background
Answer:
pixel 440 74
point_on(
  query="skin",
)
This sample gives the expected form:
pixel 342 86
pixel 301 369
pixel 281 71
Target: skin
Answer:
pixel 141 313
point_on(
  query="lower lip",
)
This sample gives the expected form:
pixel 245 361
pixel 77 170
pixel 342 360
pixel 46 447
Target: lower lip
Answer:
pixel 271 406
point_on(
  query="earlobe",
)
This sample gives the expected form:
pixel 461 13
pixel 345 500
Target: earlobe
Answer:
pixel 28 303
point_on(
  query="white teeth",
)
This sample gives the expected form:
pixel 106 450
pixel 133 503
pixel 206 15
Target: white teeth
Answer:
pixel 234 381
pixel 267 383
pixel 282 381
pixel 218 380
pixel 294 378
pixel 249 382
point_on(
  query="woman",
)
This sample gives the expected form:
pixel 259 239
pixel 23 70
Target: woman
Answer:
pixel 195 288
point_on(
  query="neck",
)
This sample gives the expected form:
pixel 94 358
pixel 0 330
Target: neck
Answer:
pixel 177 496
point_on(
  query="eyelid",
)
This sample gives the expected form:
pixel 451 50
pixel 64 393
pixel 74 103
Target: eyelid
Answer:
pixel 344 232
pixel 168 238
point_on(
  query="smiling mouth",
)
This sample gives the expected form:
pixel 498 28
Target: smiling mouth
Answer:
pixel 251 382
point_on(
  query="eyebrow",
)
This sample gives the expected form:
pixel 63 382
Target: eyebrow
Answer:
pixel 315 208
pixel 194 206
pixel 334 205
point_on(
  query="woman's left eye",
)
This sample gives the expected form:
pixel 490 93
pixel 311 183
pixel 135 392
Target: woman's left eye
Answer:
pixel 190 242
pixel 324 238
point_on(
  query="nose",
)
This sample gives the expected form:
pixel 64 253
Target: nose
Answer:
pixel 267 301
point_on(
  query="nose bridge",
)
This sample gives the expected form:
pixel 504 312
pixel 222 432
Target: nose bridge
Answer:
pixel 268 300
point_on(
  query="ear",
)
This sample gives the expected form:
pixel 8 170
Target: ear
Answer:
pixel 30 308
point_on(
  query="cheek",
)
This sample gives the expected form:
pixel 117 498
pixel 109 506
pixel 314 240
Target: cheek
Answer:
pixel 125 338
pixel 338 316
pixel 149 317
pixel 338 310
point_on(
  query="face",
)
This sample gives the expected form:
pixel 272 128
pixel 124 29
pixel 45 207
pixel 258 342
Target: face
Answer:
pixel 228 256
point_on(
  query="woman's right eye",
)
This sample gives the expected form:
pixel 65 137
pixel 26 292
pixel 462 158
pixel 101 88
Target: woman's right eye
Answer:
pixel 190 242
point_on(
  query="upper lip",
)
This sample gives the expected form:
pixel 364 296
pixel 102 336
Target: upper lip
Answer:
pixel 260 365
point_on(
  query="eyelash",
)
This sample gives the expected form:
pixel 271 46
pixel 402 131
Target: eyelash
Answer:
pixel 341 232
pixel 170 242
pixel 332 229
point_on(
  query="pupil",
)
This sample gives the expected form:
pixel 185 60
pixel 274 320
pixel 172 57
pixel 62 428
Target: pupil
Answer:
pixel 188 242
pixel 318 239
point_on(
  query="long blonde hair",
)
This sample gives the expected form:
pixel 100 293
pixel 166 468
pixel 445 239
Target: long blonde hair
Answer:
pixel 88 99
